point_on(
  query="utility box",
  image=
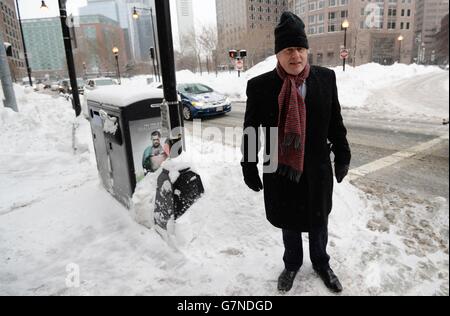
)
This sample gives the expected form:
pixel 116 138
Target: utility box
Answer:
pixel 127 136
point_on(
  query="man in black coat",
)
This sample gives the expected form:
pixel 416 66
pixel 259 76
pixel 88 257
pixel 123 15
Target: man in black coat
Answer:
pixel 297 105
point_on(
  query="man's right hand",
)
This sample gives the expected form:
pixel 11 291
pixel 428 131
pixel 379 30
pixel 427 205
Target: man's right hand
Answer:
pixel 251 178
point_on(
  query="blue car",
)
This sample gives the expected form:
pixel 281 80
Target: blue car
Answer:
pixel 200 101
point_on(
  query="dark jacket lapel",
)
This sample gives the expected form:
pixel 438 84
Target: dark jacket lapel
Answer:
pixel 311 85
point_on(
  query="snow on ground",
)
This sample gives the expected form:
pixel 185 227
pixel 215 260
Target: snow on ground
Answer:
pixel 55 215
pixel 425 95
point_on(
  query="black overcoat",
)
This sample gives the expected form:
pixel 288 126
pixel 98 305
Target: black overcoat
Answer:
pixel 290 205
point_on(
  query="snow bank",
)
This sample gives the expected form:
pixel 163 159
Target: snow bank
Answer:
pixel 356 85
pixel 40 126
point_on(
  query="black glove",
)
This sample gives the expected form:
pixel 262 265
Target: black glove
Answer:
pixel 340 171
pixel 251 178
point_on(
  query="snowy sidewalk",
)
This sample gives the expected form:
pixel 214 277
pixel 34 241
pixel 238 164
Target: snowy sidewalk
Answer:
pixel 54 215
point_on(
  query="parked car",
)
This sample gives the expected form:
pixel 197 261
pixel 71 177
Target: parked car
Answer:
pixel 93 84
pixel 199 100
pixel 26 81
pixel 46 84
pixel 54 86
pixel 99 82
pixel 80 84
pixel 66 87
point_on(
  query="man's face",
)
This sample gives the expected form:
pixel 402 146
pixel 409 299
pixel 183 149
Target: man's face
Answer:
pixel 293 59
pixel 156 141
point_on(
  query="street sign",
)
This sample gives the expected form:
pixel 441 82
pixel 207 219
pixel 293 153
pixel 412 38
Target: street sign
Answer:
pixel 239 65
pixel 344 53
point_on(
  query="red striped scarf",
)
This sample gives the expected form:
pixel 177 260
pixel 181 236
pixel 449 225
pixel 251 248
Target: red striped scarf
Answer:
pixel 291 124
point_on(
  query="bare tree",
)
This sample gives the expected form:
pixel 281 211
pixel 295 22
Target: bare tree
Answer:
pixel 208 42
pixel 185 60
pixel 192 47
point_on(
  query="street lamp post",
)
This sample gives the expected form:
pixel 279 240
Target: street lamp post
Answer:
pixel 115 51
pixel 345 26
pixel 84 71
pixel 23 42
pixel 169 79
pixel 69 53
pixel 152 57
pixel 400 40
pixel 136 16
pixel 69 56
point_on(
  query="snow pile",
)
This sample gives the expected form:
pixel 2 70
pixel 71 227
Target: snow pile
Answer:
pixel 31 130
pixel 356 85
pixel 37 146
pixel 265 66
pixel 123 95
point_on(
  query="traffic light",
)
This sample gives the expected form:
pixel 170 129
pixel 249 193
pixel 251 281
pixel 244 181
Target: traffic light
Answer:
pixel 237 54
pixel 233 54
pixel 8 49
pixel 152 53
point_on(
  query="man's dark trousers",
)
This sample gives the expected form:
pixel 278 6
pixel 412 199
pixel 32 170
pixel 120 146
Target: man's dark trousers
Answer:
pixel 293 254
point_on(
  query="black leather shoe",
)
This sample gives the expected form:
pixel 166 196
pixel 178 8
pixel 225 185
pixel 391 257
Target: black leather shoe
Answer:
pixel 286 280
pixel 330 279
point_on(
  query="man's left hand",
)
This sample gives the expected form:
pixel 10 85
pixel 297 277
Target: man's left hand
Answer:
pixel 341 172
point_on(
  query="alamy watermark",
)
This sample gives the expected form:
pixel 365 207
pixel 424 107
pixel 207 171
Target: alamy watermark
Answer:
pixel 374 15
pixel 73 275
pixel 229 145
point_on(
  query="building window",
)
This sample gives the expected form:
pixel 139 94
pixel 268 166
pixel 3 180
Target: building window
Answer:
pixel 392 12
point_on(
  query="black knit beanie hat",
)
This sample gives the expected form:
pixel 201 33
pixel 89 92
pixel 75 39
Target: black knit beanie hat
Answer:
pixel 290 32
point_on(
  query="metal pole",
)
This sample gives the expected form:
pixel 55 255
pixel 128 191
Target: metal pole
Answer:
pixel 84 71
pixel 345 43
pixel 156 46
pixel 69 56
pixel 24 46
pixel 153 61
pixel 5 77
pixel 168 68
pixel 118 68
